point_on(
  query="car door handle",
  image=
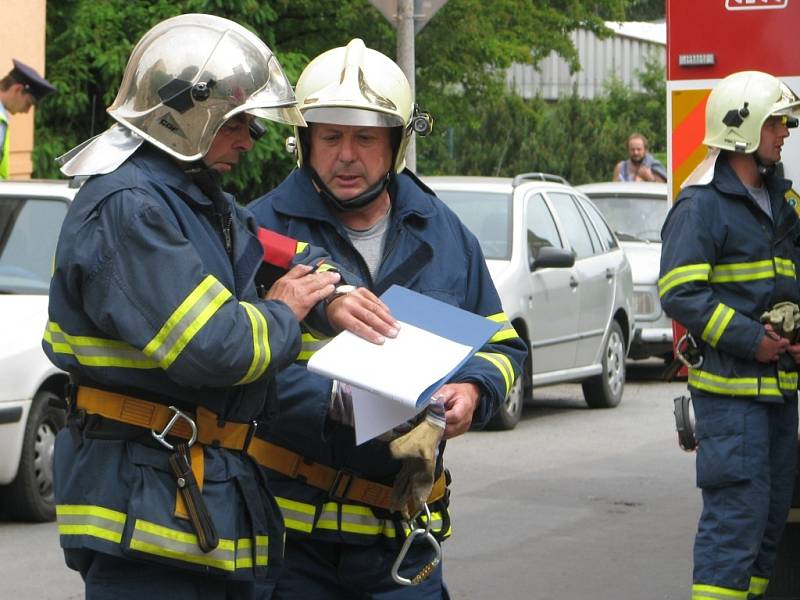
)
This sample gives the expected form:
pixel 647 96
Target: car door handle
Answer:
pixel 573 283
pixel 609 273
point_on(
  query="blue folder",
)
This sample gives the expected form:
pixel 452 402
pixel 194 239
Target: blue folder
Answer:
pixel 441 319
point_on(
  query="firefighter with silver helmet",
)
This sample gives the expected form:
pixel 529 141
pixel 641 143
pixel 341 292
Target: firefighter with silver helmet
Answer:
pixel 170 347
pixel 366 520
pixel 729 267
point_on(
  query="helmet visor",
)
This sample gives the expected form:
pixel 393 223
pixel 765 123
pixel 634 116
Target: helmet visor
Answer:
pixel 345 115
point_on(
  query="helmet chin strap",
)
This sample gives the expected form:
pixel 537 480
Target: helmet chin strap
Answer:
pixel 360 201
pixel 763 168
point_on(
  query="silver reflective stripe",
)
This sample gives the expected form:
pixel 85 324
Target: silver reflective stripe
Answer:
pixel 261 350
pixel 761 269
pixel 94 521
pixel 158 540
pixel 785 267
pixel 96 352
pixel 297 515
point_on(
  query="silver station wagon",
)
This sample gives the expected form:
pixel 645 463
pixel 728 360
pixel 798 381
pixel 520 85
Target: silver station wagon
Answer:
pixel 562 277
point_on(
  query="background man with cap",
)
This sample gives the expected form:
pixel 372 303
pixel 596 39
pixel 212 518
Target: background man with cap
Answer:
pixel 732 253
pixel 19 90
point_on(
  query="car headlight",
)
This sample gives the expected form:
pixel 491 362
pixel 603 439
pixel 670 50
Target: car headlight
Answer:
pixel 646 304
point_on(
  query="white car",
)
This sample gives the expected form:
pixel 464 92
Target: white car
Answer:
pixel 31 388
pixel 562 277
pixel 636 211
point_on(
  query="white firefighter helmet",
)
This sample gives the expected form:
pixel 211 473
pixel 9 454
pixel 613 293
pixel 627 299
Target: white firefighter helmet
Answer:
pixel 355 85
pixel 736 110
pixel 739 105
pixel 185 78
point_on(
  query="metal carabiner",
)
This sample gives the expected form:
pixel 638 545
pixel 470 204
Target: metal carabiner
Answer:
pixel 691 344
pixel 178 415
pixel 416 532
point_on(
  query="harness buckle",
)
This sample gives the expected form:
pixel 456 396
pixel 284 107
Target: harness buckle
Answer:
pixel 343 479
pixel 179 414
pixel 688 351
pixel 426 535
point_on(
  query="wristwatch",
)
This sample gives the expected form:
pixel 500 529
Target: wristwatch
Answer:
pixel 340 290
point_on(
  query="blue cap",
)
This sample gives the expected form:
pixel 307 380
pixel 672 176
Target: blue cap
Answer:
pixel 34 83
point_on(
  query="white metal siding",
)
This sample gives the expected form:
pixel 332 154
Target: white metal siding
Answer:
pixel 600 60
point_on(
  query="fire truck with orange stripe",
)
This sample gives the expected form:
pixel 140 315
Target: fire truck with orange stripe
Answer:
pixel 706 41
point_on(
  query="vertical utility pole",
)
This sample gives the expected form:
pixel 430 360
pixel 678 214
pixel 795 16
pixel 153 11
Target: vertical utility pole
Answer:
pixel 405 59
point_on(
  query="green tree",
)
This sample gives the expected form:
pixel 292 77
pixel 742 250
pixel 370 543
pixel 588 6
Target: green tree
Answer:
pixel 461 57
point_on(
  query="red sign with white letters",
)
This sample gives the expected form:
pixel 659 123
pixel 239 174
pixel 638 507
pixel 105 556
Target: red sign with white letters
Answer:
pixel 709 39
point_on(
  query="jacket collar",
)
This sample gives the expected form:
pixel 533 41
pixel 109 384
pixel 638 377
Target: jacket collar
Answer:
pixel 408 199
pixel 727 182
pixel 166 170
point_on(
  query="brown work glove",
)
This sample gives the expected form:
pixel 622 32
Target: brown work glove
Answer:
pixel 784 318
pixel 418 450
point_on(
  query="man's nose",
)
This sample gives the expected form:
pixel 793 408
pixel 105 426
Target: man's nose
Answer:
pixel 346 149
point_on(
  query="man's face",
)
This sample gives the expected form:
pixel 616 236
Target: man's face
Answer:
pixel 773 133
pixel 350 159
pixel 232 139
pixel 19 100
pixel 636 150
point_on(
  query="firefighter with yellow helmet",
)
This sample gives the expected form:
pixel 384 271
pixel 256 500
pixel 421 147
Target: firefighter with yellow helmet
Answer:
pixel 170 347
pixel 730 255
pixel 365 520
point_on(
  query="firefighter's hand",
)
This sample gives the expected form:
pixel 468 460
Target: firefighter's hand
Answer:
pixel 361 312
pixel 794 352
pixel 460 401
pixel 771 346
pixel 300 289
pixel 418 450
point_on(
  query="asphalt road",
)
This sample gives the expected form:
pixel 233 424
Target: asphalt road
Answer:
pixel 572 504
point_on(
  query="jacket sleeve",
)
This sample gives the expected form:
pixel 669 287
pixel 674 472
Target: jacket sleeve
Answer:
pixel 688 258
pixel 150 289
pixel 498 363
pixel 281 253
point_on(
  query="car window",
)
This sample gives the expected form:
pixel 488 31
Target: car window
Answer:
pixel 29 231
pixel 574 225
pixel 599 224
pixel 541 226
pixel 487 215
pixel 633 217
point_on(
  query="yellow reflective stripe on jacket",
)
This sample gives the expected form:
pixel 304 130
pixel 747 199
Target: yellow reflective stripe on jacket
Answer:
pixel 94 521
pixel 746 271
pixel 182 325
pixel 346 518
pixel 743 386
pixel 503 364
pixel 758 585
pixel 506 332
pixel 681 275
pixel 300 247
pixel 96 352
pixel 261 350
pixel 785 267
pixel 158 540
pixel 309 344
pixel 712 592
pixel 717 324
pixel 244 552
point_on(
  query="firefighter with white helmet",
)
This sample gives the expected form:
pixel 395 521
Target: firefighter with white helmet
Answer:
pixel 349 508
pixel 170 347
pixel 730 255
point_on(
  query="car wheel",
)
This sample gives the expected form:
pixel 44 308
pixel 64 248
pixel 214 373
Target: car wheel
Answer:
pixel 30 496
pixel 605 390
pixel 510 411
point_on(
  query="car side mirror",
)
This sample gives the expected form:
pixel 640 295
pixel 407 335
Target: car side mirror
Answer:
pixel 553 258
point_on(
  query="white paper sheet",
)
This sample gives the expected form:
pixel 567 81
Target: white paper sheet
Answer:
pixel 392 377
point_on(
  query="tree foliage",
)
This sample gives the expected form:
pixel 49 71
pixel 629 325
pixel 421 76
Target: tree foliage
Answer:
pixel 460 55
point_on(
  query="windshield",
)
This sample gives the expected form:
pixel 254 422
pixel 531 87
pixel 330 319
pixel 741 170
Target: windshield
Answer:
pixel 633 218
pixel 487 215
pixel 29 230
